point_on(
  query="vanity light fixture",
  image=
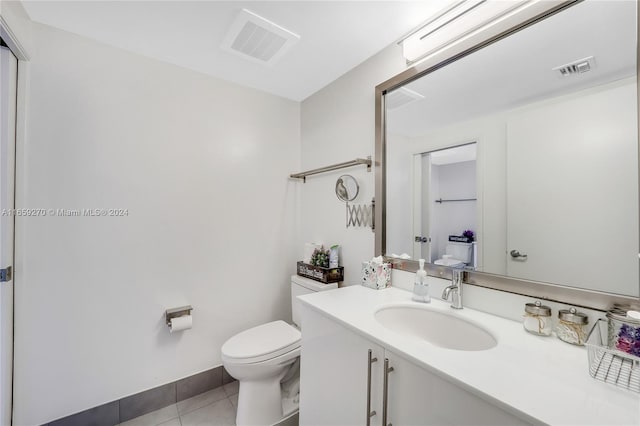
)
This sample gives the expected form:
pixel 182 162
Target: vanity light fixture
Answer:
pixel 459 21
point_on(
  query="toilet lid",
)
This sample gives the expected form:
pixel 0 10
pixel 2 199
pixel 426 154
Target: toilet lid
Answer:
pixel 260 343
pixel 450 261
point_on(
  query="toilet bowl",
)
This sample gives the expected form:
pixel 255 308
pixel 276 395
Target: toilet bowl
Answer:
pixel 264 359
pixel 259 358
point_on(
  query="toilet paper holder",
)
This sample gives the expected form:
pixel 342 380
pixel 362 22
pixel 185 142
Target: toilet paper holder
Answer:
pixel 177 312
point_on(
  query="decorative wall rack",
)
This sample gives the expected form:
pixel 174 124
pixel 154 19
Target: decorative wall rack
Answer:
pixel 356 162
pixel 361 215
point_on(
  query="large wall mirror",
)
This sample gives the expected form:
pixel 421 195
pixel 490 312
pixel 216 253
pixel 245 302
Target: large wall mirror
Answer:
pixel 519 161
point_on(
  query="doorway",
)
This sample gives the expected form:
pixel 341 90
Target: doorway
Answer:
pixel 8 110
pixel 446 199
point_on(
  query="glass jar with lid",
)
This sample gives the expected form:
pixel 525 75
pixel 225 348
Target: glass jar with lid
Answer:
pixel 537 319
pixel 624 329
pixel 572 326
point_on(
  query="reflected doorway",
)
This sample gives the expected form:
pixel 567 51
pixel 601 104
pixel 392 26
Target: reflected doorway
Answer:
pixel 446 209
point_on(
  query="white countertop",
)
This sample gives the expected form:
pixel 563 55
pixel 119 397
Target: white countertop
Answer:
pixel 537 378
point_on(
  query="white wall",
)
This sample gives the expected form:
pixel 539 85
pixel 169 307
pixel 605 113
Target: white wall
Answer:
pixel 201 165
pixel 337 125
pixel 400 188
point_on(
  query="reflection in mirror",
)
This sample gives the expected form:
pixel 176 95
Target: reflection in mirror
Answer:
pixel 449 204
pixel 347 188
pixel 552 112
pixel 445 211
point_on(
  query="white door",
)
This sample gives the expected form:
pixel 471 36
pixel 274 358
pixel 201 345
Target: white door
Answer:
pixel 8 88
pixel 572 163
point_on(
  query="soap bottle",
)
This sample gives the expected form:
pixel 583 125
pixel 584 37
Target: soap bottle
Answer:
pixel 421 286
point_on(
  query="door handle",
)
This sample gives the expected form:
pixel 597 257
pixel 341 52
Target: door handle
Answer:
pixel 369 412
pixel 385 392
pixel 517 255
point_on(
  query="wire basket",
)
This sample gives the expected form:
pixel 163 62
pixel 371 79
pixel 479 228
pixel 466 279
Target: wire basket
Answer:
pixel 611 365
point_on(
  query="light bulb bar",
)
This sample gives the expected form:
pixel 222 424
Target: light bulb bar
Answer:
pixel 464 19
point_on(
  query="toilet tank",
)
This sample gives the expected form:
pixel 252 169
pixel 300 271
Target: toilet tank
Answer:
pixel 301 285
pixel 460 251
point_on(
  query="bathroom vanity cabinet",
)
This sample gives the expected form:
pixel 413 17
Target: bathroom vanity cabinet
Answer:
pixel 517 381
pixel 337 389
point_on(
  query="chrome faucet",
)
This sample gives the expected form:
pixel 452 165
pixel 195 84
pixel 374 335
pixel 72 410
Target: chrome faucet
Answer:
pixel 455 289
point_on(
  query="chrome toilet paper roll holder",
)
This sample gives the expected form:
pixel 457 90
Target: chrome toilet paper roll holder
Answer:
pixel 177 312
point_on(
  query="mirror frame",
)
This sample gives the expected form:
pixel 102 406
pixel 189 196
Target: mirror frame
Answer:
pixel 554 292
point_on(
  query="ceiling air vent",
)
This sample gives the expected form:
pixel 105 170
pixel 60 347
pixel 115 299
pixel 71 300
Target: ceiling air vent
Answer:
pixel 400 97
pixel 576 67
pixel 257 39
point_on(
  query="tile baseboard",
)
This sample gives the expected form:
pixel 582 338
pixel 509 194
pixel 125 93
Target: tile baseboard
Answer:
pixel 130 407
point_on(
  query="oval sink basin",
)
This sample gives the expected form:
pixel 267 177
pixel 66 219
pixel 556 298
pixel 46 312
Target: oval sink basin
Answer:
pixel 436 327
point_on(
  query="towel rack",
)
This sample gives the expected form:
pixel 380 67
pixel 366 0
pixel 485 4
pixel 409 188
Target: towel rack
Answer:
pixel 356 162
pixel 440 200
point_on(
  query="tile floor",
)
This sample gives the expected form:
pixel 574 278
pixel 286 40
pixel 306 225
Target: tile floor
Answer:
pixel 216 407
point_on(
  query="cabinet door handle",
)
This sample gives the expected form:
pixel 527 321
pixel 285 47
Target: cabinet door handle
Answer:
pixel 369 412
pixel 385 392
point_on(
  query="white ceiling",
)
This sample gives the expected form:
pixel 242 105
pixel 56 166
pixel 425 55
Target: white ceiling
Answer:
pixel 335 35
pixel 518 69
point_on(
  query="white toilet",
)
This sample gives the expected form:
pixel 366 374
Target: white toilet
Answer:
pixel 457 254
pixel 264 359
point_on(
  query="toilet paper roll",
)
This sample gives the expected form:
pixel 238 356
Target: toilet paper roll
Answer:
pixel 181 323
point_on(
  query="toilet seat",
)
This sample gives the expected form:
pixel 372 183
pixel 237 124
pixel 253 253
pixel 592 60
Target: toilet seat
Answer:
pixel 449 262
pixel 261 343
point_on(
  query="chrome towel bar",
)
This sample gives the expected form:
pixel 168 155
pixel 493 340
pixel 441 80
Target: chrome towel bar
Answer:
pixel 356 162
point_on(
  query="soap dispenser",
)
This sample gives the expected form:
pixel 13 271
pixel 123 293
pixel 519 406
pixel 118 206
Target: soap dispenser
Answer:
pixel 421 286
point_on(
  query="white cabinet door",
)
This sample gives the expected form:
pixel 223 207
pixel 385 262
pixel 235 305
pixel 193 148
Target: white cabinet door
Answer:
pixel 418 397
pixel 333 374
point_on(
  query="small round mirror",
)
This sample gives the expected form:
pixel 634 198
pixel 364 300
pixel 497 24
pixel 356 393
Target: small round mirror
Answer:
pixel 347 188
